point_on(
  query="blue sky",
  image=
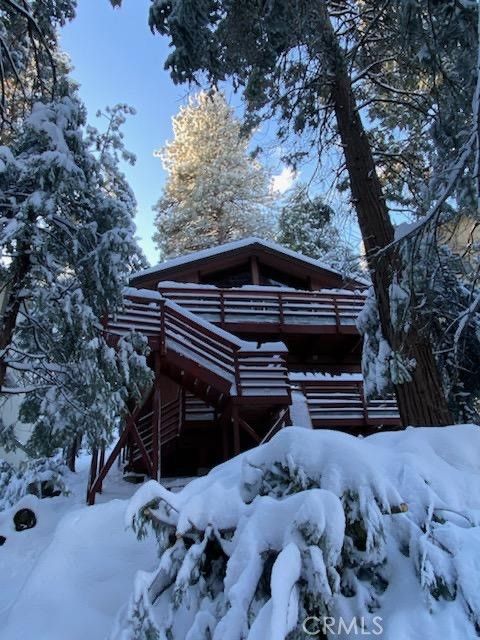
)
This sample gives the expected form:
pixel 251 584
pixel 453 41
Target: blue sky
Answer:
pixel 117 59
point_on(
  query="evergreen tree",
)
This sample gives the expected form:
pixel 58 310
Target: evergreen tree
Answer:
pixel 67 239
pixel 215 192
pixel 32 65
pixel 305 224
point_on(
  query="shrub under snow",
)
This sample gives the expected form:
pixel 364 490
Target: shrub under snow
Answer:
pixel 383 531
pixel 42 477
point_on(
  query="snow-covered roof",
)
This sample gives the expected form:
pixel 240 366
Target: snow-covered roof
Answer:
pixel 228 247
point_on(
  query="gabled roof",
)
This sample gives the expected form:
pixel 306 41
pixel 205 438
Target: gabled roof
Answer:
pixel 246 246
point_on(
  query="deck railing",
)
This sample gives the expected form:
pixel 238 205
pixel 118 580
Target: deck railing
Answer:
pixel 287 309
pixel 239 367
pixel 341 403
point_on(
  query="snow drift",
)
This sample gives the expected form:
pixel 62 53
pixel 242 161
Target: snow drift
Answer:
pixel 374 536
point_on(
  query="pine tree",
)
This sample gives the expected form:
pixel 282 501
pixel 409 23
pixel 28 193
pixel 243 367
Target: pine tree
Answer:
pixel 32 65
pixel 67 238
pixel 215 192
pixel 306 224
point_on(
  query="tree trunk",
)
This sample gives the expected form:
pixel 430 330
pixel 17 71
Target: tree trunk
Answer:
pixel 72 451
pixel 420 401
pixel 10 310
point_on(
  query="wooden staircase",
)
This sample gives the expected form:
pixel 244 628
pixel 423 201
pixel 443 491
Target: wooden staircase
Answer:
pixel 212 365
pixel 207 361
pixel 170 428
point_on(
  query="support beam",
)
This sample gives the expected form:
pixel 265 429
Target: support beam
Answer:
pixel 101 464
pixel 224 441
pixel 98 479
pixel 97 472
pixel 92 474
pixel 254 269
pixel 248 429
pixel 156 422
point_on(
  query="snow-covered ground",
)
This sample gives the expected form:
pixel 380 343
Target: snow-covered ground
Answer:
pixel 419 569
pixel 66 578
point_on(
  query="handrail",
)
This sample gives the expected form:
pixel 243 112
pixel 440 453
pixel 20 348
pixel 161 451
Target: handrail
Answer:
pixel 246 368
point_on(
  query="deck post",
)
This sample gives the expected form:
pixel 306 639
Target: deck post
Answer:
pixel 222 309
pixel 101 465
pixel 281 313
pixel 238 380
pixel 156 421
pixel 224 441
pixel 92 476
pixel 163 342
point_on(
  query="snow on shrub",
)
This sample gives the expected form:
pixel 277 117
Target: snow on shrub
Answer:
pixel 41 477
pixel 316 525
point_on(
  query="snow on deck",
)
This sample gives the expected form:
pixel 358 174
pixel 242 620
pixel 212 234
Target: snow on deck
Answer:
pixel 66 578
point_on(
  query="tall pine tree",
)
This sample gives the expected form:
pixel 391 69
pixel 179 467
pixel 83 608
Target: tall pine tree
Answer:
pixel 215 192
pixel 307 224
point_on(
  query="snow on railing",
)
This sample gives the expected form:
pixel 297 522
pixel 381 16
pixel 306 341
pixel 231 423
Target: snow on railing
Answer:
pixel 247 369
pixel 287 308
pixel 338 402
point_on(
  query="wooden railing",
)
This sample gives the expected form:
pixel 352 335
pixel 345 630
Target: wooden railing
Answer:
pixel 237 367
pixel 341 403
pixel 287 309
pixel 208 347
pixel 261 373
pixel 197 410
pixel 170 426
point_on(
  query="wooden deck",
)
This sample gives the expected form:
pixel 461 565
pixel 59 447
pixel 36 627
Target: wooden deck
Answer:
pixel 341 404
pixel 240 388
pixel 241 369
pixel 270 309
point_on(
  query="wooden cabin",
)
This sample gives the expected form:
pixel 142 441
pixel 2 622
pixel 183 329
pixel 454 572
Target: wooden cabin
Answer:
pixel 246 338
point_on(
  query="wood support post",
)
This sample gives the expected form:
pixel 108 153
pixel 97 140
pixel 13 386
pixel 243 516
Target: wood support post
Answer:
pixel 156 422
pixel 101 465
pixel 92 476
pixel 225 441
pixel 163 341
pixel 99 469
pixel 254 270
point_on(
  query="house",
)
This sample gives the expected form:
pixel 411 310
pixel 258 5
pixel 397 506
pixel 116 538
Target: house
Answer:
pixel 245 338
